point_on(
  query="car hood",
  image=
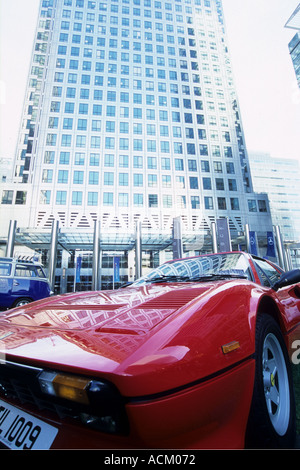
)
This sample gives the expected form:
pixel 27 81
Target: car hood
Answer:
pixel 131 310
pixel 122 335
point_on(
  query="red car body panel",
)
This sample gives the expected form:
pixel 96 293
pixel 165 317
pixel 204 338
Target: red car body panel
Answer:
pixel 161 346
pixel 135 354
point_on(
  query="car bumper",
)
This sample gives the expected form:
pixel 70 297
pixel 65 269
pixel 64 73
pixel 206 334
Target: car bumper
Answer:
pixel 211 414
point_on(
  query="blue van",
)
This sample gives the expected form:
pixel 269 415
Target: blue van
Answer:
pixel 21 282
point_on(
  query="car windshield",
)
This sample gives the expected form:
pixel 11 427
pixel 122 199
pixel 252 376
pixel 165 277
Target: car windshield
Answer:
pixel 202 268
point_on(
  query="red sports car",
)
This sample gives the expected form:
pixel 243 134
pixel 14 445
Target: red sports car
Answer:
pixel 197 354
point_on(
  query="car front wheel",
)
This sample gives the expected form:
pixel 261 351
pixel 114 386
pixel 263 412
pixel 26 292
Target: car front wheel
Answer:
pixel 272 416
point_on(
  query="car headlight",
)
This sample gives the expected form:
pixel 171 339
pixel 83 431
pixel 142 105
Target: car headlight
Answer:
pixel 98 403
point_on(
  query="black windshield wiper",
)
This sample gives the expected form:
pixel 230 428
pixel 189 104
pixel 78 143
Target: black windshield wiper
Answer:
pixel 221 275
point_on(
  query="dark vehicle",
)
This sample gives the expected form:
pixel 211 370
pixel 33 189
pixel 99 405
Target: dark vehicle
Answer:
pixel 21 282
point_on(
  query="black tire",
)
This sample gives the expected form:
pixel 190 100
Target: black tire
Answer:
pixel 22 301
pixel 272 418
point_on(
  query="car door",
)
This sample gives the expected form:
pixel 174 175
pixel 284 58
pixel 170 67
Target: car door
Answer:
pixel 6 282
pixel 21 282
pixel 288 296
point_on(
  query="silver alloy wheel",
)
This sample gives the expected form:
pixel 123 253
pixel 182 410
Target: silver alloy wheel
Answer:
pixel 22 302
pixel 276 384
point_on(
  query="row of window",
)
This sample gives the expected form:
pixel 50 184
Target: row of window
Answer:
pixel 137 161
pixel 137 113
pixel 135 45
pixel 79 28
pixel 92 4
pixel 124 179
pixel 137 84
pixel 102 5
pixel 138 200
pixel 222 203
pixel 127 21
pixel 98 80
pixel 124 127
pixel 137 98
pixel 125 143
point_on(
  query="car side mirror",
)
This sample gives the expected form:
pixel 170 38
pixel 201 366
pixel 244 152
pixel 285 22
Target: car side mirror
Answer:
pixel 287 279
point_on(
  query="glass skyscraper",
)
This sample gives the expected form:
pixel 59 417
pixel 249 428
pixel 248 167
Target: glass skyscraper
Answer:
pixel 294 45
pixel 131 114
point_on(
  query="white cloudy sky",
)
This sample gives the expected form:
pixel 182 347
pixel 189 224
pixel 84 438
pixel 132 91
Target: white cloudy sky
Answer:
pixel 264 74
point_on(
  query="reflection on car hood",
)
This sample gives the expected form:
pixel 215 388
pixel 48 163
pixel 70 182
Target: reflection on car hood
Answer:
pixel 125 335
pixel 132 310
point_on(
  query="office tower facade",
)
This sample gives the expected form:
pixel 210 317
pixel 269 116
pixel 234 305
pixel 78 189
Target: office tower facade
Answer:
pixel 130 115
pixel 280 179
pixel 294 45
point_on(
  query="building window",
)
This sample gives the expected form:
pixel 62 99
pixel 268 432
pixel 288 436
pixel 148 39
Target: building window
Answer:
pixel 220 184
pixel 138 179
pixel 79 158
pixel 21 197
pixel 192 165
pixel 77 198
pixel 262 206
pixel 218 167
pixel 222 203
pixel 179 164
pixel 108 199
pixel 92 199
pixel 232 185
pixel 45 197
pixel 165 164
pixel 47 176
pixel 49 157
pixel 108 179
pixel 138 200
pixel 195 202
pixel 152 180
pixel 167 201
pixel 181 202
pixel 123 200
pixel 208 203
pixel 78 177
pixel 123 179
pixel 61 197
pixel 94 159
pixel 166 181
pixel 153 200
pixel 193 182
pixel 123 161
pixel 252 205
pixel 51 139
pixel 205 166
pixel 63 176
pixel 93 177
pixel 234 203
pixel 206 183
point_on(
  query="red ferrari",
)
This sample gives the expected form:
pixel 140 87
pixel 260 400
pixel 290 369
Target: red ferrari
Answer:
pixel 197 354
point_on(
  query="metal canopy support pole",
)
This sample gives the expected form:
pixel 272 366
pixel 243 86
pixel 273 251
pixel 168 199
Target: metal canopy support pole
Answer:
pixel 247 238
pixel 138 250
pixel 53 253
pixel 177 238
pixel 280 248
pixel 96 257
pixel 11 239
pixel 214 237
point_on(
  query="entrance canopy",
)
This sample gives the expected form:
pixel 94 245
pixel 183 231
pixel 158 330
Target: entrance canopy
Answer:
pixel 83 239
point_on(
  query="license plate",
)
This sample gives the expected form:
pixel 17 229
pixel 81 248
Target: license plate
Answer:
pixel 20 430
